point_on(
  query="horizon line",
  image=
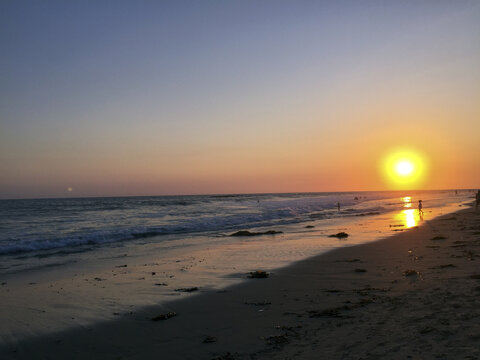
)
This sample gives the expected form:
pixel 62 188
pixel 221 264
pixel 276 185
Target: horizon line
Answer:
pixel 225 194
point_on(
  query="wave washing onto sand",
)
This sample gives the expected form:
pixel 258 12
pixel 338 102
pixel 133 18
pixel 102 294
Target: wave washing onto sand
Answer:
pixel 46 224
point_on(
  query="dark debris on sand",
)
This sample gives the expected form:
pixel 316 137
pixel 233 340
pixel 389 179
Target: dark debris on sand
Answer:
pixel 349 260
pixel 336 312
pixel 209 339
pixel 340 235
pixel 277 340
pixel 438 238
pixel 165 316
pixel 443 266
pixel 258 274
pixel 190 289
pixel 410 272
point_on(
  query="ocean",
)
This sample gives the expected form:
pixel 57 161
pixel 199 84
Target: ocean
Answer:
pixel 49 227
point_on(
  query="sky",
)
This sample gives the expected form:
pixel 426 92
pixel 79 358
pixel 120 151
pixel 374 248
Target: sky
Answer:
pixel 107 98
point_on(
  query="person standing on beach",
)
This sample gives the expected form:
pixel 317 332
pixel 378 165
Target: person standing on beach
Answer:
pixel 338 206
pixel 420 208
pixel 477 198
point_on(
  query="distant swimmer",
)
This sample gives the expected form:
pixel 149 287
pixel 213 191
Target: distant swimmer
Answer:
pixel 477 198
pixel 420 207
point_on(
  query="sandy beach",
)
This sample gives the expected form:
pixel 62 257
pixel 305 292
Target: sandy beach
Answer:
pixel 412 295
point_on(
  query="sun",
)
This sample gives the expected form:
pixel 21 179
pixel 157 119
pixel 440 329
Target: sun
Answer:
pixel 404 168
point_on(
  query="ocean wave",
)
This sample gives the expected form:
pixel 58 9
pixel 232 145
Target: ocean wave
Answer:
pixel 43 225
pixel 204 224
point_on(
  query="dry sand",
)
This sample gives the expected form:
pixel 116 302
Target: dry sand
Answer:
pixel 414 295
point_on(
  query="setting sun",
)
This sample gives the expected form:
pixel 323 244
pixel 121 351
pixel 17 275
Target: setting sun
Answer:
pixel 404 168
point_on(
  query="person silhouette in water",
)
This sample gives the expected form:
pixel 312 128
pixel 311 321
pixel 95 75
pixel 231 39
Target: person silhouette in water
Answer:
pixel 477 198
pixel 420 208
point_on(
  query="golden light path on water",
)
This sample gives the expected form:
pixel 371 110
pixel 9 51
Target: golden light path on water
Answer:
pixel 409 217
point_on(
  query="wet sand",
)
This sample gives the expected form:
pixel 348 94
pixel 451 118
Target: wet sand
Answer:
pixel 411 295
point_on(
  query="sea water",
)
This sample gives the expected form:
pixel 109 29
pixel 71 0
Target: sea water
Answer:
pixel 42 228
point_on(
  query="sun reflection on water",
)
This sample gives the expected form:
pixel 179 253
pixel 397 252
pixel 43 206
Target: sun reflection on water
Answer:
pixel 410 220
pixel 407 201
pixel 408 216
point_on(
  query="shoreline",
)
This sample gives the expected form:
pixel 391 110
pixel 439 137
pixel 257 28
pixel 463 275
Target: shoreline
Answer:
pixel 350 302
